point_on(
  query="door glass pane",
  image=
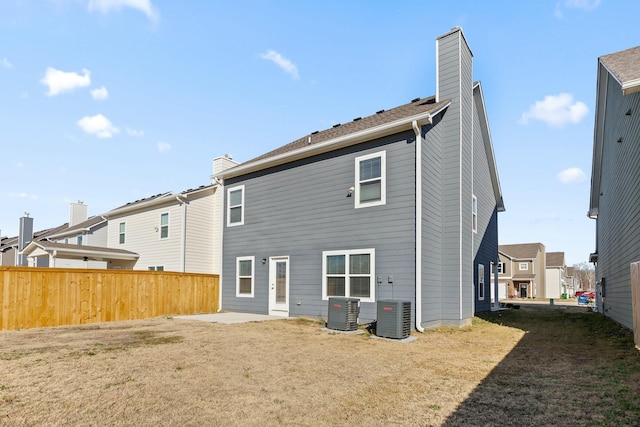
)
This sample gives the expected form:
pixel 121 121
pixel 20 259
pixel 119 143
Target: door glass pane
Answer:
pixel 281 282
pixel 370 191
pixel 360 287
pixel 335 264
pixel 335 286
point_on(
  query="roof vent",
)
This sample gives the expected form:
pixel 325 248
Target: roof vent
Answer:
pixel 357 118
pixel 335 126
pixel 415 100
pixel 313 133
pixel 381 111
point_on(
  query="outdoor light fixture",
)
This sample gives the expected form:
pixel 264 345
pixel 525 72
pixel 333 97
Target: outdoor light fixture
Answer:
pixel 264 260
pixel 628 113
pixel 620 139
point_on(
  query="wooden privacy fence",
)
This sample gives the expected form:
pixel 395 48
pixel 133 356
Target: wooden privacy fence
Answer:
pixel 37 297
pixel 635 301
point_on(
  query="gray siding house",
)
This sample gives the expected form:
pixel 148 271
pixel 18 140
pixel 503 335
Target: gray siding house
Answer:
pixel 399 205
pixel 615 181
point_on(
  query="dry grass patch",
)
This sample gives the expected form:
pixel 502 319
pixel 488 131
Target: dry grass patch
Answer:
pixel 518 368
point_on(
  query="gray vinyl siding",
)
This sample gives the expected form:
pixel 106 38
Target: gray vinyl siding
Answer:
pixel 618 236
pixel 455 83
pixel 432 241
pixel 485 244
pixel 301 209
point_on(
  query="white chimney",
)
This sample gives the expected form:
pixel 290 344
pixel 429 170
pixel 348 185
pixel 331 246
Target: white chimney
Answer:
pixel 223 163
pixel 78 212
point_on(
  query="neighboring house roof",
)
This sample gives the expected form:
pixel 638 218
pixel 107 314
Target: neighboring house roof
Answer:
pixel 12 242
pixel 521 251
pixel 82 226
pixel 65 250
pixel 361 129
pixel 155 200
pixel 555 259
pixel 571 271
pixel 624 67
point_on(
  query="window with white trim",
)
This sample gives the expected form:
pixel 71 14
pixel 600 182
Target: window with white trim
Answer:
pixel 164 225
pixel 480 281
pixel 235 206
pixel 370 189
pixel 121 233
pixel 79 240
pixel 501 268
pixel 156 268
pixel 474 214
pixel 349 273
pixel 245 269
pixel 523 266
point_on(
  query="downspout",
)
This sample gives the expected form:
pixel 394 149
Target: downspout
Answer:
pixel 418 216
pixel 496 303
pixel 183 232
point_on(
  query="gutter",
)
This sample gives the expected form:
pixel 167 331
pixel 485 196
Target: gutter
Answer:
pixel 418 216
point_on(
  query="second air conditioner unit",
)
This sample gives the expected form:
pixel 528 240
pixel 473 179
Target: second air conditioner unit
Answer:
pixel 394 319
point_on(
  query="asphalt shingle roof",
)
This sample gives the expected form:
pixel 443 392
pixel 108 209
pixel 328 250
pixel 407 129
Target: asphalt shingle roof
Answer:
pixel 625 65
pixel 555 259
pixel 522 250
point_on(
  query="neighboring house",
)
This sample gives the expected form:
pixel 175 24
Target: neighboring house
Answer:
pixel 521 271
pixel 555 275
pixel 570 282
pixel 399 205
pixel 11 247
pixel 173 231
pixel 80 245
pixel 615 182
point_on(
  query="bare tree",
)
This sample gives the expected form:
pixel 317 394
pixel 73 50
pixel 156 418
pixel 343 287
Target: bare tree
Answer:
pixel 584 276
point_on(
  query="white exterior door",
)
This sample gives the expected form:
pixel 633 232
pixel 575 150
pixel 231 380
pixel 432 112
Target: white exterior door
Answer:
pixel 279 286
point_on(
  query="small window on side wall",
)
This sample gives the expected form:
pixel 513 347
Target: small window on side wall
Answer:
pixel 370 189
pixel 164 225
pixel 474 214
pixel 121 233
pixel 480 281
pixel 244 276
pixel 235 206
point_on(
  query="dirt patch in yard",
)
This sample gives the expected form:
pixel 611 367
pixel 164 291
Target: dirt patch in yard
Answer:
pixel 517 367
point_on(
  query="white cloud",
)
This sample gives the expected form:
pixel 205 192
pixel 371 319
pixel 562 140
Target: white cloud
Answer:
pixel 163 146
pixel 135 132
pixel 24 196
pixel 98 125
pixel 106 6
pixel 286 65
pixel 584 5
pixel 555 110
pixel 60 81
pixel 572 176
pixel 5 63
pixel 100 94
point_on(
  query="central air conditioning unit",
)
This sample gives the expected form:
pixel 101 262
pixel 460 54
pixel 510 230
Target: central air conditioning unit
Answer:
pixel 394 319
pixel 343 314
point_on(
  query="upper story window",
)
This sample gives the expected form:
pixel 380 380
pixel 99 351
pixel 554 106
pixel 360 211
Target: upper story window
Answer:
pixel 79 240
pixel 523 266
pixel 164 225
pixel 244 276
pixel 349 274
pixel 121 233
pixel 370 187
pixel 500 266
pixel 474 214
pixel 235 206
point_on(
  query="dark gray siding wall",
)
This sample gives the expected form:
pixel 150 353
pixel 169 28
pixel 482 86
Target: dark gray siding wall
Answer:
pixel 432 243
pixel 301 209
pixel 618 237
pixel 485 241
pixel 455 83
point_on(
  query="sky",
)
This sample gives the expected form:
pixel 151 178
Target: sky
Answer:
pixel 111 101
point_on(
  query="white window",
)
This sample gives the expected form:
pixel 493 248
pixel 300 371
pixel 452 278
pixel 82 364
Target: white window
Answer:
pixel 480 281
pixel 474 214
pixel 164 225
pixel 245 276
pixel 349 274
pixel 121 233
pixel 523 266
pixel 501 268
pixel 79 240
pixel 235 206
pixel 370 189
